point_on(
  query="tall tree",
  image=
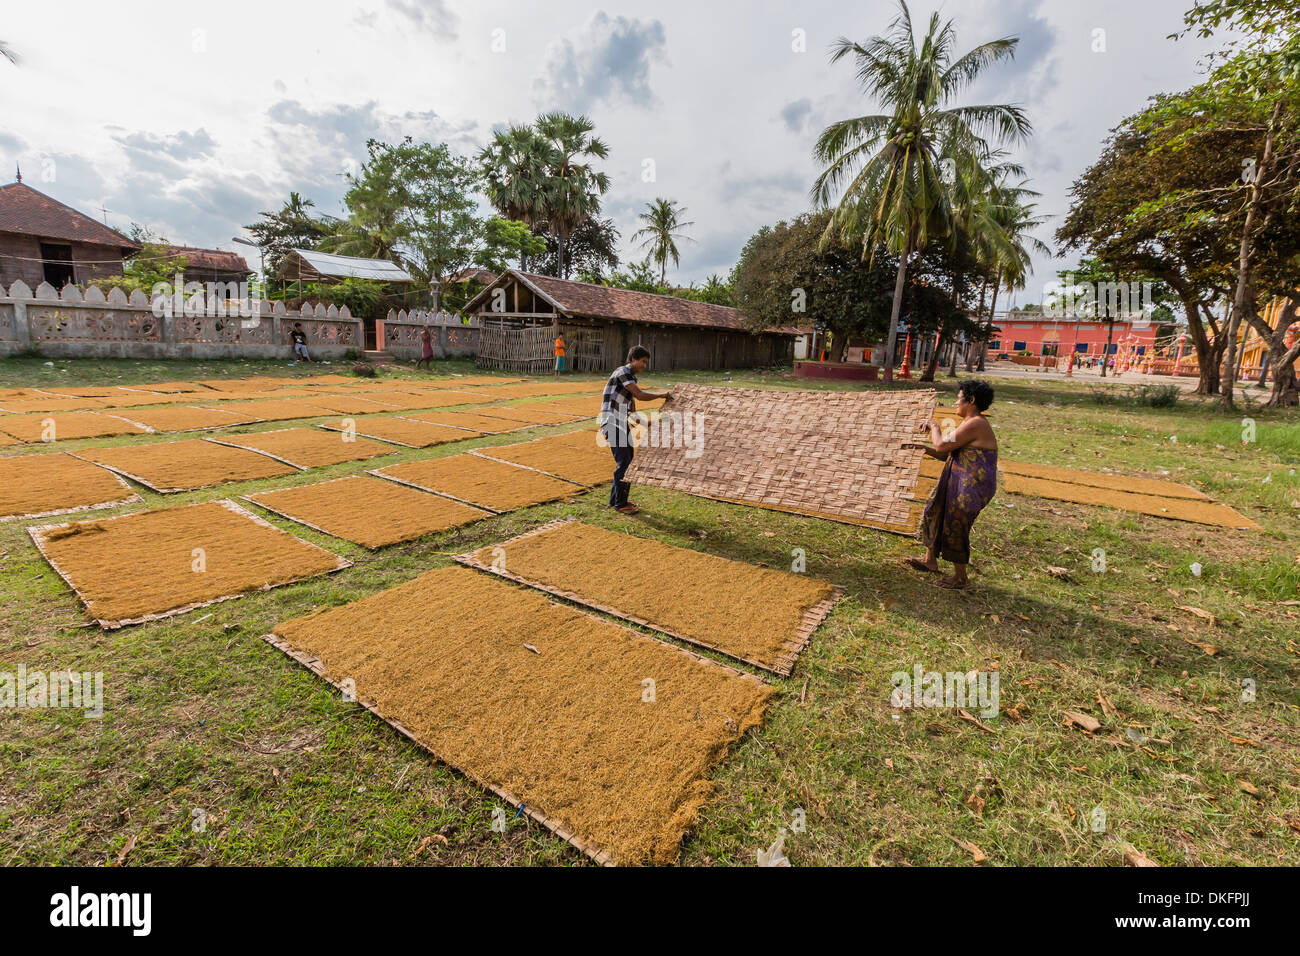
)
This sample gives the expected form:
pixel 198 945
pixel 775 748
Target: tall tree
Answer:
pixel 293 226
pixel 573 186
pixel 663 228
pixel 412 202
pixel 895 193
pixel 514 167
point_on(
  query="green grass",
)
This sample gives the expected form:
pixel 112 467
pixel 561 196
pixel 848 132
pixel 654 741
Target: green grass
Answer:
pixel 204 716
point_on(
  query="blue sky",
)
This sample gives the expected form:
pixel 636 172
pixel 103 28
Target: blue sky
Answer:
pixel 192 117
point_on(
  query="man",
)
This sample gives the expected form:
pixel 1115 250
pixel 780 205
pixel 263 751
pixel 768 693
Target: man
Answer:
pixel 617 402
pixel 559 354
pixel 299 339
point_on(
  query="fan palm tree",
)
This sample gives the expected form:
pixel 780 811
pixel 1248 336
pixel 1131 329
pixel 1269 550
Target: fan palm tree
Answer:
pixel 895 170
pixel 572 187
pixel 663 227
pixel 514 168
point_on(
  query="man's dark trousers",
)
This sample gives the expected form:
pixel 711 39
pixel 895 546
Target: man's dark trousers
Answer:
pixel 618 492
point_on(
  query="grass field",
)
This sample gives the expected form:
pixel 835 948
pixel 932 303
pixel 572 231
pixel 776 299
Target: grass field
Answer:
pixel 205 723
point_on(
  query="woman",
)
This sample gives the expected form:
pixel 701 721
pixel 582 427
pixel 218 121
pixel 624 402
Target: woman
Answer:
pixel 426 349
pixel 968 483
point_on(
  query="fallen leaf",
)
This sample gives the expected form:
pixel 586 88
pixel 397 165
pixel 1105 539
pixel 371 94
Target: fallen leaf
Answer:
pixel 126 848
pixel 1199 612
pixel 1061 574
pixel 1085 721
pixel 1208 649
pixel 976 804
pixel 1247 787
pixel 977 855
pixel 966 715
pixel 1135 857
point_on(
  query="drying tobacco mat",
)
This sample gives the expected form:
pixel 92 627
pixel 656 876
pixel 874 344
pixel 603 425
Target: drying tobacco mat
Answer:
pixel 349 404
pixel 760 616
pixel 432 398
pixel 531 414
pixel 49 403
pixel 275 410
pixel 1179 509
pixel 603 734
pixel 488 484
pixel 933 468
pixel 403 431
pixel 34 486
pixel 181 418
pixel 168 388
pixel 307 447
pixel 67 426
pixel 368 511
pixel 851 455
pixel 502 392
pixel 167 467
pixel 151 564
pixel 581 461
pixel 471 421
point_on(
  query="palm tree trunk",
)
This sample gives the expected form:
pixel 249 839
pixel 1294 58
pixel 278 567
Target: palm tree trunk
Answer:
pixel 892 341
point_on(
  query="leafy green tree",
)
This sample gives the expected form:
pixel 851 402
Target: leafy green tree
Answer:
pixel 592 250
pixel 413 203
pixel 663 228
pixel 293 226
pixel 895 171
pixel 514 168
pixel 505 239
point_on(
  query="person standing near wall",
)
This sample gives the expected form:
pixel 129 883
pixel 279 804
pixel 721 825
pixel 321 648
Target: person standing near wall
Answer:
pixel 560 350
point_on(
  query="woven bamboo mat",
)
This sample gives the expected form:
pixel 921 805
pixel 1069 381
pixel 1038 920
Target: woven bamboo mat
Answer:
pixel 849 455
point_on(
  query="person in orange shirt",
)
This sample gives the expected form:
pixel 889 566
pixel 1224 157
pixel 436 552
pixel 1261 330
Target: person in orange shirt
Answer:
pixel 559 353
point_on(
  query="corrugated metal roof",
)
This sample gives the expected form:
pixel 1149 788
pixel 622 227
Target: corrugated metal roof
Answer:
pixel 328 264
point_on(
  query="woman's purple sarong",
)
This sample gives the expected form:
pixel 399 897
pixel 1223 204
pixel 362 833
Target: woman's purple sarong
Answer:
pixel 968 483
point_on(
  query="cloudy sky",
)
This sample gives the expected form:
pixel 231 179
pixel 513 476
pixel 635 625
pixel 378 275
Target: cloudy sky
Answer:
pixel 192 117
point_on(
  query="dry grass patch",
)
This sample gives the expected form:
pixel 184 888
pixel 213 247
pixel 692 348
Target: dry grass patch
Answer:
pixel 67 427
pixel 574 457
pixel 308 447
pixel 402 431
pixel 758 615
pixel 33 486
pixel 544 704
pixel 152 564
pixel 181 418
pixel 368 511
pixel 481 482
pixel 167 467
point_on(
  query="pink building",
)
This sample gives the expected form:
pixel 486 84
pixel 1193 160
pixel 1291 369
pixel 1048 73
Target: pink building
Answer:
pixel 1026 333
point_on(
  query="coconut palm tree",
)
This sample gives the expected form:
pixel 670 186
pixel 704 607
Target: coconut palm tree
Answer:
pixel 894 171
pixel 663 227
pixel 514 167
pixel 572 188
pixel 1011 261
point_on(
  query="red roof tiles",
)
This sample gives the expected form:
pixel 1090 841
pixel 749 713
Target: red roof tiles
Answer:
pixel 28 212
